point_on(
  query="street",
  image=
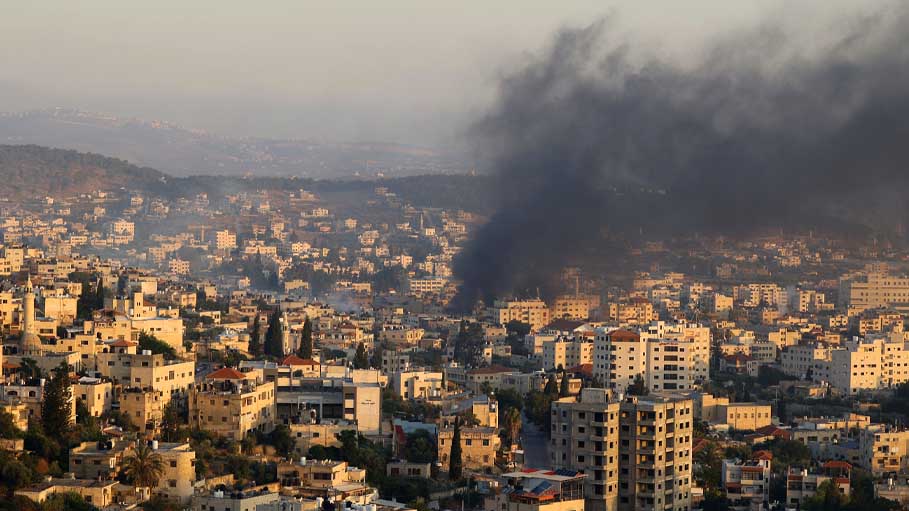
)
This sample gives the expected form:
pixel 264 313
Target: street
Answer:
pixel 535 444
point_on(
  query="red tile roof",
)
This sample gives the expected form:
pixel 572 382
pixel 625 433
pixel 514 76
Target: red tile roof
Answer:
pixel 293 360
pixel 120 343
pixel 762 455
pixel 624 335
pixel 226 373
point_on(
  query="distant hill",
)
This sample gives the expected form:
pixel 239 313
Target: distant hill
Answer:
pixel 185 152
pixel 30 171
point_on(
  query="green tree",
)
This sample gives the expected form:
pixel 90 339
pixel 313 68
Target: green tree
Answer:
pixel 8 427
pixel 828 497
pixel 508 398
pixel 361 359
pixel 420 447
pixel 255 337
pixel 274 335
pixel 151 343
pixel 455 466
pixel 564 391
pixel 638 388
pixel 171 422
pixel 281 440
pixel 419 504
pixel 144 467
pixel 518 328
pixel 56 403
pixel 512 424
pixel 69 501
pixel 306 340
pixel 551 388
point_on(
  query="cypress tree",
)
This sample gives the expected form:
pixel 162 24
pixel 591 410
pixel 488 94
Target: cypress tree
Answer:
pixel 361 361
pixel 551 388
pixel 255 338
pixel 563 386
pixel 99 294
pixel 306 340
pixel 274 344
pixel 455 467
pixel 56 408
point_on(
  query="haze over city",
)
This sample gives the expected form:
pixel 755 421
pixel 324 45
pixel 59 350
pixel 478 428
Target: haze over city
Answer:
pixel 414 256
pixel 398 71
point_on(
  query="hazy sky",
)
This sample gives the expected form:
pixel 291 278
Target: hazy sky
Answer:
pixel 392 70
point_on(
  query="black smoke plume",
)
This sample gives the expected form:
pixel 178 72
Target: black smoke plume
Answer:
pixel 758 134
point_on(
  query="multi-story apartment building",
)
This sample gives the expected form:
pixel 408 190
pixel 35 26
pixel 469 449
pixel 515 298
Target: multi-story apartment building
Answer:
pixel 417 384
pixel 585 437
pixel 872 290
pixel 225 240
pixel 761 294
pixel 229 403
pixel 533 312
pixel 668 357
pixel 402 335
pixel 637 311
pixel 95 394
pixel 179 474
pixel 869 364
pixel 810 300
pixel 747 483
pixel 573 306
pixel 884 449
pixel 147 371
pixel 427 285
pixel 804 360
pixel 564 353
pixel 636 453
pixel 656 459
pixel 143 407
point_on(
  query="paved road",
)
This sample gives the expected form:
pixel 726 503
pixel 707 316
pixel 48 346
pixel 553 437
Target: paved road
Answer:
pixel 535 444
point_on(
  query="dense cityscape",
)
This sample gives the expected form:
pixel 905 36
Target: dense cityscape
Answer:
pixel 284 349
pixel 394 256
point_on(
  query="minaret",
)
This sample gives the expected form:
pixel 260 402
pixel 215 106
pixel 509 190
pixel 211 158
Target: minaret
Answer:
pixel 29 342
pixel 28 308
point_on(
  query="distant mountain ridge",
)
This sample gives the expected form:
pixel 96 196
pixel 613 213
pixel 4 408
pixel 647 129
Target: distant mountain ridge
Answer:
pixel 31 172
pixel 182 151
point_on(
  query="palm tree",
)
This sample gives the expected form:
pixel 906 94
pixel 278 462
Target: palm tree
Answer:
pixel 144 467
pixel 513 424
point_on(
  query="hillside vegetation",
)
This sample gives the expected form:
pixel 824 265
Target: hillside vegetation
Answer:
pixel 29 172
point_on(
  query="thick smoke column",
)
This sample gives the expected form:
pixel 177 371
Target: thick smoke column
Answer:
pixel 758 134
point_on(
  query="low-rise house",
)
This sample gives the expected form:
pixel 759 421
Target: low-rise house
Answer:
pixel 539 490
pixel 801 484
pixel 335 481
pixel 478 447
pixel 98 493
